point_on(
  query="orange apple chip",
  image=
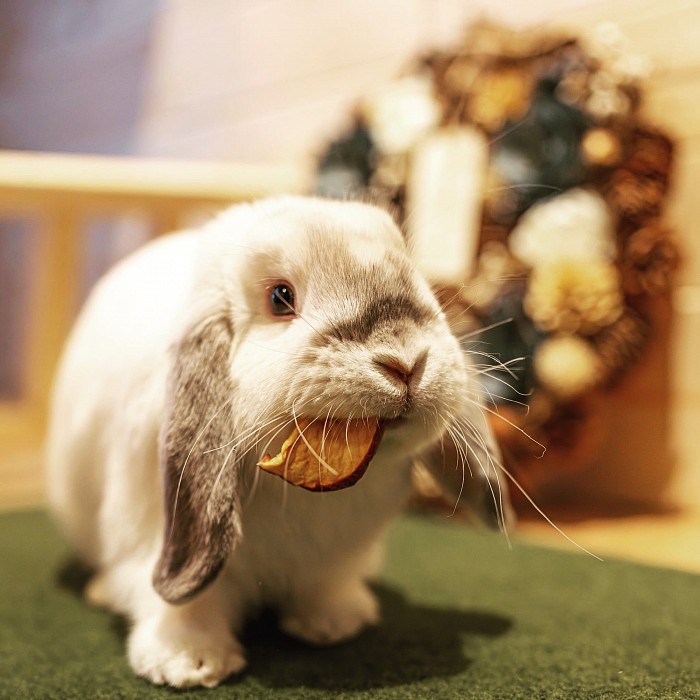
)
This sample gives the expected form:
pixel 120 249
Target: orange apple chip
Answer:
pixel 325 455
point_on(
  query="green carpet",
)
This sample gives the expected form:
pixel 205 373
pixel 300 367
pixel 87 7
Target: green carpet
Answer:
pixel 464 617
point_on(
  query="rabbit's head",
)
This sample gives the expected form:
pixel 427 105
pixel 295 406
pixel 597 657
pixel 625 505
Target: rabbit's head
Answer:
pixel 302 308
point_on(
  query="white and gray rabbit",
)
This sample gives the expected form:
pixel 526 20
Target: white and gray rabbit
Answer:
pixel 192 358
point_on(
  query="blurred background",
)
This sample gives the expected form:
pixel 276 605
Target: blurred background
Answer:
pixel 223 100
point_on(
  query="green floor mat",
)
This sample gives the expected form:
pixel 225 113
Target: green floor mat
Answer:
pixel 464 617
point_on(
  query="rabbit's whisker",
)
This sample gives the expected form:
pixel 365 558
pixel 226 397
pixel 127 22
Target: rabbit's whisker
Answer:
pixel 462 462
pixel 239 439
pixel 470 430
pixel 509 422
pixel 515 482
pixel 273 434
pixel 310 447
pixel 324 435
pixel 467 430
pixel 254 430
pixel 496 362
pixel 498 464
pixel 493 396
pixel 483 329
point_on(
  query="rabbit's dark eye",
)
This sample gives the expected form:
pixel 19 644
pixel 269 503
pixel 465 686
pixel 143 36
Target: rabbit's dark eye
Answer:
pixel 282 299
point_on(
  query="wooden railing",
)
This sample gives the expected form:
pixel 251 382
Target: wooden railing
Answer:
pixel 59 194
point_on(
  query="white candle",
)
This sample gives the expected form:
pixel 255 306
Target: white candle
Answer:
pixel 444 202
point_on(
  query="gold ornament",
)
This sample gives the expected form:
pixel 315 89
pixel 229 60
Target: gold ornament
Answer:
pixel 574 297
pixel 601 147
pixel 567 366
pixel 499 96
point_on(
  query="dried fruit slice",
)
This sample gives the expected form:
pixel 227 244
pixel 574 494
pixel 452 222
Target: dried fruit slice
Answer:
pixel 325 455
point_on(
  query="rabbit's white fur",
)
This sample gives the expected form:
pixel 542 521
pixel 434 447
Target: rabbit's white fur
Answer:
pixel 154 441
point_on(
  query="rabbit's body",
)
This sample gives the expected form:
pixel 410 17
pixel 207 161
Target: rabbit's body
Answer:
pixel 101 428
pixel 177 378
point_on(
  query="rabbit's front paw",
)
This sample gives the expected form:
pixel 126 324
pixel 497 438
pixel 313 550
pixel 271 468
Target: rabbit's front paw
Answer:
pixel 334 619
pixel 170 653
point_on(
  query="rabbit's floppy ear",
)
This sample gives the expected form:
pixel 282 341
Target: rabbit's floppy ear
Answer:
pixel 465 465
pixel 202 520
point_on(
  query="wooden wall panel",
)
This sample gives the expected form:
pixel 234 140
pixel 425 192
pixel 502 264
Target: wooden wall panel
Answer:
pixel 272 80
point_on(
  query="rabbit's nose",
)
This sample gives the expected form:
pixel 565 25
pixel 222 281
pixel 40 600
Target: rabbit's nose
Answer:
pixel 400 369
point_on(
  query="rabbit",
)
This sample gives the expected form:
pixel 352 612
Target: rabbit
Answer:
pixel 195 355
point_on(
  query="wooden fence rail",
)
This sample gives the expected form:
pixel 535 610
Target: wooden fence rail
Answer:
pixel 60 195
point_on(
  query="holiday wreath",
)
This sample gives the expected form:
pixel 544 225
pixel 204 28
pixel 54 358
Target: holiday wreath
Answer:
pixel 569 243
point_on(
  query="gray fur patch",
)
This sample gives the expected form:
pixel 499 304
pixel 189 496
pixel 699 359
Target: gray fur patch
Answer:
pixel 201 504
pixel 365 297
pixel 380 313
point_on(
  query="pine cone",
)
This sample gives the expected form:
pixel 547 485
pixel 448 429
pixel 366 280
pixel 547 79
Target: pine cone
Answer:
pixel 635 197
pixel 486 38
pixel 650 154
pixel 620 344
pixel 574 297
pixel 649 260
